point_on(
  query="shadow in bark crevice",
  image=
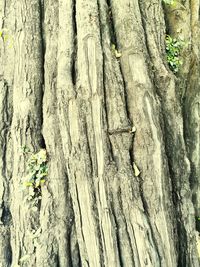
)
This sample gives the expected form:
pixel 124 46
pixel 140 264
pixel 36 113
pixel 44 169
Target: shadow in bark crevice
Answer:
pixel 74 54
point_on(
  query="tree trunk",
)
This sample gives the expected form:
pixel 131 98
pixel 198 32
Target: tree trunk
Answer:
pixel 88 81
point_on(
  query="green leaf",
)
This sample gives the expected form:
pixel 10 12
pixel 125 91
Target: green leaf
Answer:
pixel 25 149
pixel 173 49
pixel 28 184
pixel 37 170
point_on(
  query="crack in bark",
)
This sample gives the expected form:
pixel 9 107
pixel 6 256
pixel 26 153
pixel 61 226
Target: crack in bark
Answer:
pixel 114 40
pixel 126 225
pixel 4 130
pixel 3 17
pixel 5 214
pixel 103 63
pixel 145 207
pixel 111 22
pixel 117 237
pixel 74 54
pixel 43 53
pixel 74 252
pixel 6 217
pixel 94 171
pixel 126 130
pixel 80 215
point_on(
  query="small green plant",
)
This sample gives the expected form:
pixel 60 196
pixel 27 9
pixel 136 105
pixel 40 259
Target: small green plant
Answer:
pixel 37 171
pixel 173 50
pixel 7 37
pixel 25 150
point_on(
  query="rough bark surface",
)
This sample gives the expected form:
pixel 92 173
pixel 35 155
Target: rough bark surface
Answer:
pixel 65 88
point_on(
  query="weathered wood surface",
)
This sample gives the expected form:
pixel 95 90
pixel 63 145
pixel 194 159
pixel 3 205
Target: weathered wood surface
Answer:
pixel 63 89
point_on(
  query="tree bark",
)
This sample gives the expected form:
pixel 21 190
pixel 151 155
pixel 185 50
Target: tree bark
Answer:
pixel 88 81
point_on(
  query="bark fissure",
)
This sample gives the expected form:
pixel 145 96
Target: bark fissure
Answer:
pixel 116 43
pixel 111 22
pixel 43 52
pixel 118 238
pixel 134 254
pixel 103 62
pixel 146 212
pixel 74 54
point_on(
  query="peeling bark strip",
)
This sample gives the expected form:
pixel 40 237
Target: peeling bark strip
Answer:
pixel 63 89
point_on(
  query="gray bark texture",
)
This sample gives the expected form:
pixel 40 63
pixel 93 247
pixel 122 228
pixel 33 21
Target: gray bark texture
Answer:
pixel 77 78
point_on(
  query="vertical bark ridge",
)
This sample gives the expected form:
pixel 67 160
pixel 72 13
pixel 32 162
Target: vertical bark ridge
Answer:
pixel 6 89
pixel 116 108
pixel 66 92
pixel 26 123
pixel 66 97
pixel 88 16
pixel 111 31
pixel 175 143
pixel 56 217
pixel 140 89
pixel 191 109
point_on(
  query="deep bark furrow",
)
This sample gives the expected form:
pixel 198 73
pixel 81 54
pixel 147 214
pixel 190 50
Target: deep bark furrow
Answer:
pixel 74 248
pixel 146 212
pixel 125 250
pixel 74 55
pixel 117 237
pixel 43 48
pixel 191 109
pixel 58 213
pixel 113 41
pixel 102 10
